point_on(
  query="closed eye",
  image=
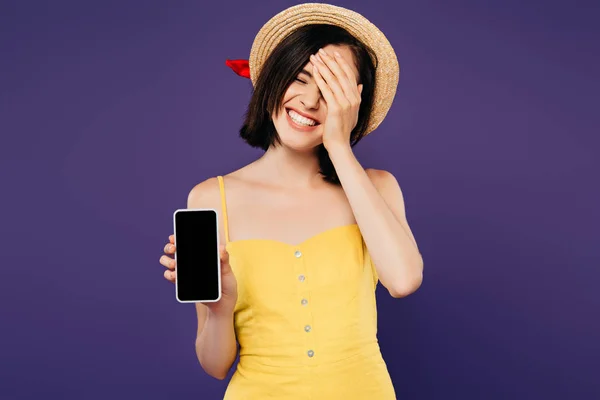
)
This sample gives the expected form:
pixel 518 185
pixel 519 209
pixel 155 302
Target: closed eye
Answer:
pixel 304 72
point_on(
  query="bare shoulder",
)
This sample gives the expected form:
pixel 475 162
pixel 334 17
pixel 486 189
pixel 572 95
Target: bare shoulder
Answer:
pixel 387 185
pixel 205 194
pixel 382 179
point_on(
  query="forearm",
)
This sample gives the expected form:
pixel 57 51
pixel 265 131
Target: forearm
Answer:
pixel 216 346
pixel 393 250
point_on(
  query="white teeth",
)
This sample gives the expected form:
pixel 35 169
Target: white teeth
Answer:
pixel 299 119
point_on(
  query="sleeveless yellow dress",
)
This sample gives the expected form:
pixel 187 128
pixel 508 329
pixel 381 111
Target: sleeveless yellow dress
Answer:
pixel 306 318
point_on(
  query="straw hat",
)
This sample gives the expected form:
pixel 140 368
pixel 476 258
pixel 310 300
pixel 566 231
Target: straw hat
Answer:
pixel 387 71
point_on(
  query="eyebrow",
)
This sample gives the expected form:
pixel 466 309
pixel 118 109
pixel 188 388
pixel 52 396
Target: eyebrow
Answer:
pixel 306 73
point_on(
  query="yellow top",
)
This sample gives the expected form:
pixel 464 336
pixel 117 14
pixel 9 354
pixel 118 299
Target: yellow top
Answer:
pixel 306 318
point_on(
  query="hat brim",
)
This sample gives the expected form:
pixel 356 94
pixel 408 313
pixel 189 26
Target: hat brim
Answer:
pixel 387 71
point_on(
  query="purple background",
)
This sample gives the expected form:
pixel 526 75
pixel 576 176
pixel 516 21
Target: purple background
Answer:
pixel 111 111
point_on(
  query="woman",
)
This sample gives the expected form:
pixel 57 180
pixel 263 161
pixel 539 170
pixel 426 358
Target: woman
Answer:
pixel 308 232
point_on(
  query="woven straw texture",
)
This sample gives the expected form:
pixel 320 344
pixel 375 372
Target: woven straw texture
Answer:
pixel 281 25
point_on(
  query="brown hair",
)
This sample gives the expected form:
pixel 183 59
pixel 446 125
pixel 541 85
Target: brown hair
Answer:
pixel 282 67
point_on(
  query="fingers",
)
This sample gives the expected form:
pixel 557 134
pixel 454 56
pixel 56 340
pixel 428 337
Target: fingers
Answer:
pixel 335 63
pixel 169 248
pixel 345 67
pixel 170 275
pixel 171 264
pixel 168 262
pixel 339 75
pixel 325 72
pixel 324 88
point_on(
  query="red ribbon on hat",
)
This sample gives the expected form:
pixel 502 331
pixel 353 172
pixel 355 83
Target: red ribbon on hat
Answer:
pixel 240 67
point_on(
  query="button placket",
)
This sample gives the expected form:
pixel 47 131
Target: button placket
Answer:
pixel 305 311
pixel 303 288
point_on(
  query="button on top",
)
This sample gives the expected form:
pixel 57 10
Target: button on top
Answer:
pixel 298 254
pixel 307 328
pixel 304 302
pixel 310 353
pixel 301 278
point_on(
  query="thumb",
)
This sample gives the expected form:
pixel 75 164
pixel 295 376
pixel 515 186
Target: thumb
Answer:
pixel 360 88
pixel 224 255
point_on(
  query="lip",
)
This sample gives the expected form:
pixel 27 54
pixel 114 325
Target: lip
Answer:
pixel 301 128
pixel 304 115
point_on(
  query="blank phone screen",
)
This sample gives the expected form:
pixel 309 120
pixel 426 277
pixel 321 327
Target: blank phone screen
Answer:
pixel 197 267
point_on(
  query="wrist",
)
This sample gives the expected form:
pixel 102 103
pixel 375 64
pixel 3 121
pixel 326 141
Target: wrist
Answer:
pixel 338 150
pixel 220 312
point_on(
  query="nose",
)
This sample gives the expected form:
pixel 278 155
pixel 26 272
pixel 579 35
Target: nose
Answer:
pixel 311 97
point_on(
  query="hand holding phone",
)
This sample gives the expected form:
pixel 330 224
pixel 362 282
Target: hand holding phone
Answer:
pixel 200 269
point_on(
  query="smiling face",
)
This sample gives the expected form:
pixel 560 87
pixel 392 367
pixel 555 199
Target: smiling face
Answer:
pixel 299 122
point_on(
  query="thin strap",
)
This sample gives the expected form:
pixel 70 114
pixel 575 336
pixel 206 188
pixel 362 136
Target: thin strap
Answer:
pixel 223 207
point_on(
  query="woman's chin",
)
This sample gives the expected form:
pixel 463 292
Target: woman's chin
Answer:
pixel 299 142
pixel 296 137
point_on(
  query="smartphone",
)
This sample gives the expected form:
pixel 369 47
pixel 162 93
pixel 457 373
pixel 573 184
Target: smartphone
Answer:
pixel 198 265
